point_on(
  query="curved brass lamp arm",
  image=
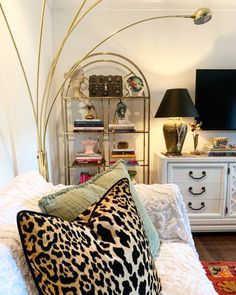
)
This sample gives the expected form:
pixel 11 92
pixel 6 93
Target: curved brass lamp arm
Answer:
pixel 196 15
pixel 23 70
pixel 39 57
pixel 55 61
pixel 73 25
pixel 53 66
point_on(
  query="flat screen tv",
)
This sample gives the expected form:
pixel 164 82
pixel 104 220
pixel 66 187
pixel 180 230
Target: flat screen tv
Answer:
pixel 215 98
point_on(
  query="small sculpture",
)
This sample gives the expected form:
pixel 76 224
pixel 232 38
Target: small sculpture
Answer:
pixel 120 111
pixel 90 108
pixel 77 79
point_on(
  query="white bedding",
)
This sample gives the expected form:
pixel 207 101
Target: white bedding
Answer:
pixel 23 192
pixel 180 271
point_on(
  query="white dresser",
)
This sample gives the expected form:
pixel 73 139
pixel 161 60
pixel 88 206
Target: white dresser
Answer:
pixel 208 186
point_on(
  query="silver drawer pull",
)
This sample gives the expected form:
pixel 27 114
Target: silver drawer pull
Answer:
pixel 190 206
pixel 190 189
pixel 193 177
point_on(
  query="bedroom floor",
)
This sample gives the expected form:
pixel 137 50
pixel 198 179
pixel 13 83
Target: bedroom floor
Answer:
pixel 216 246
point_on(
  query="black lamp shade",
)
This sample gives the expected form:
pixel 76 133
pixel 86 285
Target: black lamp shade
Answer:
pixel 176 103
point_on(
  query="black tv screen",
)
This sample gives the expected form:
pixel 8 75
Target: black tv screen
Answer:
pixel 215 98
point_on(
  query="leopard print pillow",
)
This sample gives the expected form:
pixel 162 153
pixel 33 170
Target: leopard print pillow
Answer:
pixel 103 252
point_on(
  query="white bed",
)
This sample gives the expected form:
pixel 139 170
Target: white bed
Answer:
pixel 178 265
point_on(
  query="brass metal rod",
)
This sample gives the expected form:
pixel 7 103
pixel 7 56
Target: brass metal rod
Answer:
pixel 48 83
pixel 39 58
pixel 52 69
pixel 23 70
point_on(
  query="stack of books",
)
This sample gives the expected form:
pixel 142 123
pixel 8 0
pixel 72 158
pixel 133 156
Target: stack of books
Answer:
pixel 123 153
pixel 219 151
pixel 121 127
pixel 88 125
pixel 82 158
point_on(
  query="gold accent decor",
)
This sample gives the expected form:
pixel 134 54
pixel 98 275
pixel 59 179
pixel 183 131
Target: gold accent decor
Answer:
pixel 42 106
pixel 175 131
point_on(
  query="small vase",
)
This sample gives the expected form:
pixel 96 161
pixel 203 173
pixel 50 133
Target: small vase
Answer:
pixel 195 144
pixel 89 145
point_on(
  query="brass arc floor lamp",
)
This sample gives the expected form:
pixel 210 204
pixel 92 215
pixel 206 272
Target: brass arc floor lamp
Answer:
pixel 42 108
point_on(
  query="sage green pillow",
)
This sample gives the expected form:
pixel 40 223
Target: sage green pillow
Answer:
pixel 69 203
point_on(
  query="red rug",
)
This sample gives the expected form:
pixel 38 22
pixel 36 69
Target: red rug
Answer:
pixel 223 276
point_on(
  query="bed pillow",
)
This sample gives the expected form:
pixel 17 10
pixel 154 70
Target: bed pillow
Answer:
pixel 69 203
pixel 104 251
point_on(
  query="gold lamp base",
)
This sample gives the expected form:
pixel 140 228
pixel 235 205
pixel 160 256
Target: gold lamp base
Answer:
pixel 175 131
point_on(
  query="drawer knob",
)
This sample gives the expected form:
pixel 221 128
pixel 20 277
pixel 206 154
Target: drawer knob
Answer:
pixel 190 206
pixel 190 189
pixel 200 177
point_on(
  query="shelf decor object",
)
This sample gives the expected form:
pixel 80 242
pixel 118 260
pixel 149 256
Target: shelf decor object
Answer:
pixel 42 106
pixel 175 104
pixel 135 86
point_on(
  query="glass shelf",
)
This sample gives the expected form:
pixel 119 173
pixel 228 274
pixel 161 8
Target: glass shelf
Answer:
pixel 105 98
pixel 104 132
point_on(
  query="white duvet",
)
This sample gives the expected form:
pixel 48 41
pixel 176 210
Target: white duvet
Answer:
pixel 178 266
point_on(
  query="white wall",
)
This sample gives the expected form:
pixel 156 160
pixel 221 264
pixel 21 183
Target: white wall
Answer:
pixel 18 148
pixel 168 51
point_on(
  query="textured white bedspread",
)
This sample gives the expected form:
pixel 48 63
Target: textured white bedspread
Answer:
pixel 180 271
pixel 15 277
pixel 23 192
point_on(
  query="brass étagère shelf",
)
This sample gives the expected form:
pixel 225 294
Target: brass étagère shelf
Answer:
pixel 75 107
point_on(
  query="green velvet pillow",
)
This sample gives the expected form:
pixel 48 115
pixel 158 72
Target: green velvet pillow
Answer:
pixel 70 202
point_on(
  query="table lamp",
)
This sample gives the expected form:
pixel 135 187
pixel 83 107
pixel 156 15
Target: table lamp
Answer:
pixel 175 104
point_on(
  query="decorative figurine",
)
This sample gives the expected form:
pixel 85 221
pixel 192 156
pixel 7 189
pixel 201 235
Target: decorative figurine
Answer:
pixel 77 79
pixel 120 111
pixel 90 108
pixel 135 86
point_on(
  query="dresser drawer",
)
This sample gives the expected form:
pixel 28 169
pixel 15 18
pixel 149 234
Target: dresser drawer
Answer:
pixel 208 191
pixel 200 208
pixel 194 172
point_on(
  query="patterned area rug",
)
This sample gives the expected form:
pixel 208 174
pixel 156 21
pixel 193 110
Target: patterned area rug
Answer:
pixel 223 276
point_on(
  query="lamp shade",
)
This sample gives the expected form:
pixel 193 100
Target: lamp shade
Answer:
pixel 176 102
